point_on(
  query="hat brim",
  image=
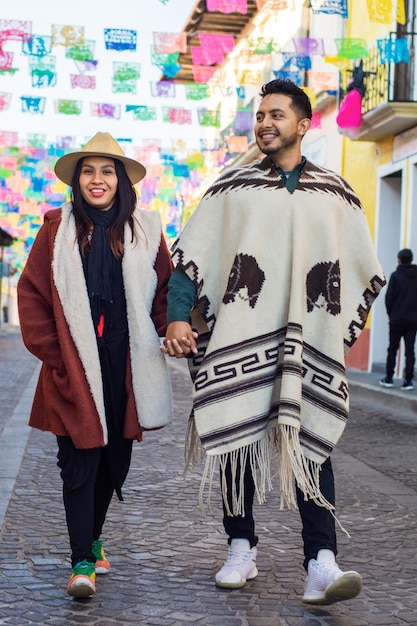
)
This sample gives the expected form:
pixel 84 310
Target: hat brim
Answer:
pixel 65 166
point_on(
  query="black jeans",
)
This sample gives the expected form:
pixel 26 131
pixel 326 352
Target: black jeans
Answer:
pixel 395 334
pixel 87 492
pixel 318 524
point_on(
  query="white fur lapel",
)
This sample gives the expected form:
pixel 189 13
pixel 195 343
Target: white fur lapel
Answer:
pixel 151 385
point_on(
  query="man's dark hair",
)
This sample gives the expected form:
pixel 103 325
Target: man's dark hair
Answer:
pixel 405 256
pixel 300 102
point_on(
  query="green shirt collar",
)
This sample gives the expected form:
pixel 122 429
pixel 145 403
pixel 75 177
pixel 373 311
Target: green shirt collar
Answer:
pixel 291 181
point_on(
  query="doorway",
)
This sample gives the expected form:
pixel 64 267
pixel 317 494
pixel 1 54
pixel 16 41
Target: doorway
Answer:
pixel 395 229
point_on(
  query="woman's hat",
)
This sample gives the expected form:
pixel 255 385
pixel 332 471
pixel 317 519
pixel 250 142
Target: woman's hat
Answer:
pixel 102 144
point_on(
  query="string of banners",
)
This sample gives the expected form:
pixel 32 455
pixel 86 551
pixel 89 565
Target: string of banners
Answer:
pixel 126 76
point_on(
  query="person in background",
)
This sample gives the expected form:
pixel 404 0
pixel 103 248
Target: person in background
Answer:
pixel 278 262
pixel 92 306
pixel 401 305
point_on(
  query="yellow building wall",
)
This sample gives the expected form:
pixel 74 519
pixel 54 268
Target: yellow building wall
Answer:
pixel 360 159
pixel 359 166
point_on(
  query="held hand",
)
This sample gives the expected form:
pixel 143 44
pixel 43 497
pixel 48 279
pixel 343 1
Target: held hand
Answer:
pixel 180 340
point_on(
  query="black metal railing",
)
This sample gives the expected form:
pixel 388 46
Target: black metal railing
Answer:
pixel 387 81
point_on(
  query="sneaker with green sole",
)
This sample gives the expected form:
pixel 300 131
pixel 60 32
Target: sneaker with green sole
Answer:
pixel 82 583
pixel 102 564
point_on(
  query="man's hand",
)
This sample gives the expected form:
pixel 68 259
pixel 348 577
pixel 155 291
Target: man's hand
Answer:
pixel 180 340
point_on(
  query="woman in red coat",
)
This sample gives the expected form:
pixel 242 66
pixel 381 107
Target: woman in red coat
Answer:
pixel 92 306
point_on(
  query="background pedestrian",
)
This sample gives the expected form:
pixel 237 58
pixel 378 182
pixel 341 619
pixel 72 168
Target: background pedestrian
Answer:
pixel 401 305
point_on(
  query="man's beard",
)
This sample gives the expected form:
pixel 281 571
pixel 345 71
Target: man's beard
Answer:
pixel 285 143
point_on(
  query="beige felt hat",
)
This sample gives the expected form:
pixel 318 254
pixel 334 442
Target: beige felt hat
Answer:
pixel 102 144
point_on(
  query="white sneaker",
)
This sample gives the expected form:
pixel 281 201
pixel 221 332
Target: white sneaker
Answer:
pixel 326 583
pixel 239 567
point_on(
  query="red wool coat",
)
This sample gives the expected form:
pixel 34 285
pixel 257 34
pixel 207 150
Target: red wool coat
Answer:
pixel 57 328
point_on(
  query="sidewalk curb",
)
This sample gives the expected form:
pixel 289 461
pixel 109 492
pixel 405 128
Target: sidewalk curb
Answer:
pixel 366 388
pixel 13 441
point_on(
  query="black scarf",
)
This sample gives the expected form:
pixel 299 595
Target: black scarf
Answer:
pixel 101 264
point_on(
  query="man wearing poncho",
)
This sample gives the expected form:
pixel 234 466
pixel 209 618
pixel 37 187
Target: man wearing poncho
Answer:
pixel 278 263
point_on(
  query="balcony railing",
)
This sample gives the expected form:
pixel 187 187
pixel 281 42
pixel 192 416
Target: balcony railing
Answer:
pixel 389 103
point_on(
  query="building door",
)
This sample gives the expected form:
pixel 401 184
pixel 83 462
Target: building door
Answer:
pixel 396 228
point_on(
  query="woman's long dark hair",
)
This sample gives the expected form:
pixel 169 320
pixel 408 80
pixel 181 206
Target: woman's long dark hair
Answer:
pixel 125 198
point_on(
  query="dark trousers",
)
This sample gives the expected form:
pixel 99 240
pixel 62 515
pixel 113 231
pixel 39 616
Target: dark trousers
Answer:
pixel 318 524
pixel 87 492
pixel 395 334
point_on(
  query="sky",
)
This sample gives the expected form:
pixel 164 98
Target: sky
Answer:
pixel 94 16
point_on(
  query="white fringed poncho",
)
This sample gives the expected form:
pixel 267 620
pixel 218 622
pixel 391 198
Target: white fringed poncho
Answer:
pixel 285 283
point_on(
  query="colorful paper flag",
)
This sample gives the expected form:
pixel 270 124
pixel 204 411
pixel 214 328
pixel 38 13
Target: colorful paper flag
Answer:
pixel 37 45
pixel 33 105
pixel 163 89
pixel 207 117
pixel 308 46
pixel 323 81
pixel 194 91
pixel 243 120
pixel 262 45
pixel 165 43
pixel 393 50
pixel 237 144
pixel 68 107
pixel 315 120
pixel 120 39
pixel 222 43
pixel 202 74
pixel 66 35
pixel 249 77
pixel 6 60
pixel 81 52
pixel 351 48
pixel 142 113
pixel 83 81
pixel 292 75
pixel 383 11
pixel 176 115
pixel 227 6
pixel 5 100
pixel 291 59
pixel 15 30
pixel 338 7
pixel 42 71
pixel 103 109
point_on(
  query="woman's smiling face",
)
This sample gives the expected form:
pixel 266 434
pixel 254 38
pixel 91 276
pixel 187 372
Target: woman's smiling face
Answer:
pixel 98 182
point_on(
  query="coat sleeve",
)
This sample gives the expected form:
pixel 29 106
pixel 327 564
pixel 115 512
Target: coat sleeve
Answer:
pixel 34 291
pixel 163 268
pixel 181 297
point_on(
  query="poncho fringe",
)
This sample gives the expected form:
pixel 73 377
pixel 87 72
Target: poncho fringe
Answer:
pixel 277 454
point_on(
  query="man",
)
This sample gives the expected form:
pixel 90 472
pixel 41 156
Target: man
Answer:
pixel 278 261
pixel 401 305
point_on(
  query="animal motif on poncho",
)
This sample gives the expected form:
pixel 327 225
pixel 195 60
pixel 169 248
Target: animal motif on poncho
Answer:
pixel 324 280
pixel 245 274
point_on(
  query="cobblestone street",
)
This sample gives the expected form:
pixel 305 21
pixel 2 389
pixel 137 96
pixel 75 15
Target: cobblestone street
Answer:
pixel 164 552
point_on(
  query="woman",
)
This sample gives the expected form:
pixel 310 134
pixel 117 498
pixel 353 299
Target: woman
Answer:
pixel 92 305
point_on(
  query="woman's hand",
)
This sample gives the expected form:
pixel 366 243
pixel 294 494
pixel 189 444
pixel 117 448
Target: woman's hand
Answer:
pixel 180 340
